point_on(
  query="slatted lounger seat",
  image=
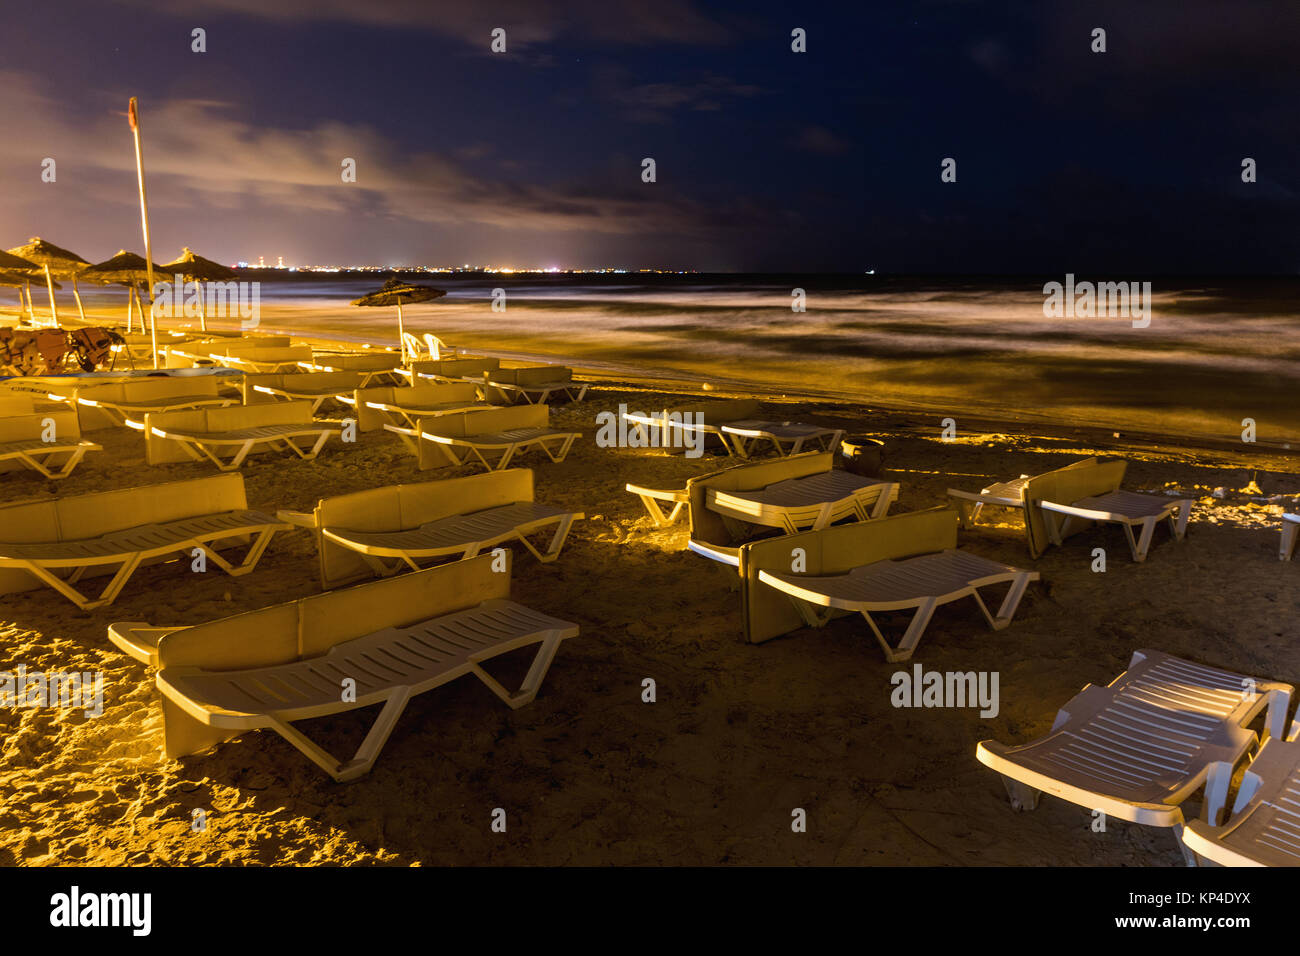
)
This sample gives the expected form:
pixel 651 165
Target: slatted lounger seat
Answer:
pixel 1264 828
pixel 61 541
pixel 23 443
pixel 235 432
pixel 732 506
pixel 394 639
pixel 1139 747
pixel 1000 494
pixel 405 406
pixel 673 427
pixel 787 438
pixel 127 403
pixel 315 387
pixel 1290 529
pixel 385 530
pixel 894 563
pixel 533 385
pixel 458 438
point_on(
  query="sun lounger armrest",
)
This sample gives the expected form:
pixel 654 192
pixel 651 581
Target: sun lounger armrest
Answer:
pixel 139 639
pixel 982 497
pixel 674 496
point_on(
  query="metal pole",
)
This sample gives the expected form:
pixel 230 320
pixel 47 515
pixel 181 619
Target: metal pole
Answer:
pixel 49 284
pixel 134 116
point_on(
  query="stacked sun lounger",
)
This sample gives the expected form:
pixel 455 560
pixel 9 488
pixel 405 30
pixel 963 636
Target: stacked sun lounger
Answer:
pixel 906 561
pixel 451 370
pixel 385 530
pixel 492 437
pixel 315 387
pixel 377 368
pixel 404 406
pixel 532 385
pixel 127 403
pixel 226 436
pixel 48 442
pixel 378 643
pixel 61 541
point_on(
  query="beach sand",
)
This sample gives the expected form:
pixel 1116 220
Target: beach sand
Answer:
pixel 740 735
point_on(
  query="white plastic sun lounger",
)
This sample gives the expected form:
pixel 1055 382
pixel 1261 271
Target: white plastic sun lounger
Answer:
pixel 896 562
pixel 922 582
pixel 464 436
pixel 787 438
pixel 378 368
pixel 377 643
pixel 226 436
pixel 22 442
pixel 651 497
pixel 58 542
pixel 809 503
pixel 1264 828
pixel 1129 510
pixel 264 361
pixel 1001 494
pixel 458 370
pixel 315 387
pixel 533 385
pixel 1290 530
pixel 1140 746
pixel 127 403
pixel 385 530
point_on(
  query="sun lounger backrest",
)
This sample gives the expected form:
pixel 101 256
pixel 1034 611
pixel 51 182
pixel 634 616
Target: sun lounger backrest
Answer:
pixel 159 389
pixel 486 422
pixel 721 411
pixel 92 515
pixel 307 382
pixel 63 425
pixel 465 368
pixel 250 346
pixel 215 420
pixel 835 550
pixel 707 525
pixel 412 396
pixel 1065 486
pixel 378 509
pixel 432 500
pixel 310 626
pixel 15 404
pixel 542 374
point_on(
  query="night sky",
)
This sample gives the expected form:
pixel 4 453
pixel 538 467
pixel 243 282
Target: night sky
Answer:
pixel 767 160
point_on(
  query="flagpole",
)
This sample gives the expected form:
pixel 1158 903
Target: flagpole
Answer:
pixel 134 117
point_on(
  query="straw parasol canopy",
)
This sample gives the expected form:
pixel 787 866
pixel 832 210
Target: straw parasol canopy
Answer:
pixel 58 263
pixel 396 292
pixel 125 268
pixel 13 278
pixel 13 263
pixel 195 268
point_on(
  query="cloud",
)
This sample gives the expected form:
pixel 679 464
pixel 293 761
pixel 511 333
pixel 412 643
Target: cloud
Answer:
pixel 818 139
pixel 653 102
pixel 526 22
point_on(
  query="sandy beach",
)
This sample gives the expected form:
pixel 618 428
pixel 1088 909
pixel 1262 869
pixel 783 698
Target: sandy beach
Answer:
pixel 740 735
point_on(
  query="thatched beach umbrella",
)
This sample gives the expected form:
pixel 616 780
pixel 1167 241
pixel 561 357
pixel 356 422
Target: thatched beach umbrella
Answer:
pixel 12 263
pixel 14 279
pixel 195 268
pixel 58 263
pixel 395 292
pixel 125 268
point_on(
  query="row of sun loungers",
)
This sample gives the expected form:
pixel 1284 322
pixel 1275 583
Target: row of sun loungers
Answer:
pixel 733 425
pixel 492 437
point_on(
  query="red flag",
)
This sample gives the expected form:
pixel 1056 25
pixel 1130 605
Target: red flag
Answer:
pixel 130 115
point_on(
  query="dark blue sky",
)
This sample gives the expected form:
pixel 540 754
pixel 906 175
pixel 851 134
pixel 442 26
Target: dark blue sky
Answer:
pixel 1127 161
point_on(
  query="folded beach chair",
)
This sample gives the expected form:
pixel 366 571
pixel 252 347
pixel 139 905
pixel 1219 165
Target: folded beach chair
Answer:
pixel 226 436
pixel 1065 502
pixel 1290 529
pixel 127 403
pixel 48 442
pixel 375 368
pixel 315 387
pixel 457 438
pixel 378 643
pixel 786 438
pixel 58 542
pixel 1264 828
pixel 1140 746
pixel 451 370
pixel 386 530
pixel 1001 494
pixel 262 359
pixel 801 493
pixel 532 385
pixel 906 561
pixel 405 405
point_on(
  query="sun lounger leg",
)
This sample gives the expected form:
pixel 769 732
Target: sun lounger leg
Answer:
pixel 532 681
pixel 367 753
pixel 251 557
pixel 183 735
pixel 1290 530
pixel 823 518
pixel 912 637
pixel 1009 603
pixel 1022 796
pixel 1140 546
pixel 557 541
pixel 881 507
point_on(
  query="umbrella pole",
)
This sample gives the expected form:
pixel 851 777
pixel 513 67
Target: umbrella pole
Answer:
pixel 134 118
pixel 49 285
pixel 203 307
pixel 401 332
pixel 31 312
pixel 81 311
